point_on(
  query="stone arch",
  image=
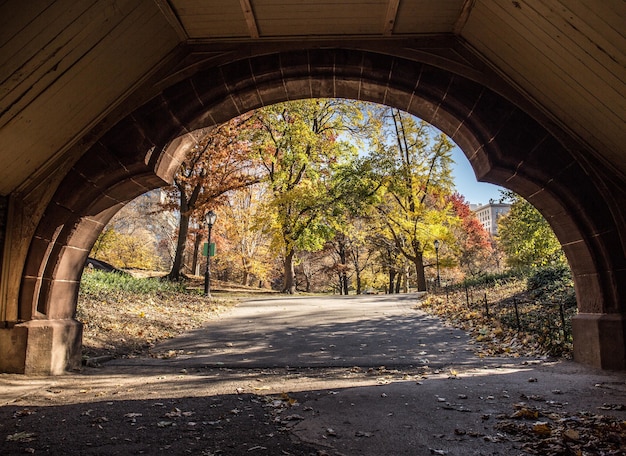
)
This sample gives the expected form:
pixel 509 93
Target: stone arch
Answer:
pixel 503 143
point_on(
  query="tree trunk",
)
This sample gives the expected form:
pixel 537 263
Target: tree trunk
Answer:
pixel 405 280
pixel 246 278
pixel 186 204
pixel 177 265
pixel 246 272
pixel 358 281
pixel 419 270
pixel 398 282
pixel 344 282
pixel 392 276
pixel 343 264
pixel 290 274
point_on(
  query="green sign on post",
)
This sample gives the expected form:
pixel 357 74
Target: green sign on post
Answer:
pixel 205 249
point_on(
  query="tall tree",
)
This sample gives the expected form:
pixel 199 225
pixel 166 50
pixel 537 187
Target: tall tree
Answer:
pixel 299 147
pixel 247 246
pixel 139 223
pixel 360 253
pixel 417 164
pixel 526 237
pixel 473 243
pixel 218 162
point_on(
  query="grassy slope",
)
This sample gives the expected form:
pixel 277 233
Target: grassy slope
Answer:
pixel 126 316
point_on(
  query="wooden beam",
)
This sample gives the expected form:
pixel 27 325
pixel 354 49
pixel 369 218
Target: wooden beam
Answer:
pixel 250 19
pixel 390 16
pixel 464 15
pixel 172 18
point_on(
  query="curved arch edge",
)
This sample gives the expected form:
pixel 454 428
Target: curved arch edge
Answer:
pixel 504 144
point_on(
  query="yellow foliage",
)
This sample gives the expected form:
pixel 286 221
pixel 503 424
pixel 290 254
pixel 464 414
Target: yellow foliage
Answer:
pixel 126 250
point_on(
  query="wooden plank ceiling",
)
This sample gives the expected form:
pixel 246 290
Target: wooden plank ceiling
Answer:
pixel 65 64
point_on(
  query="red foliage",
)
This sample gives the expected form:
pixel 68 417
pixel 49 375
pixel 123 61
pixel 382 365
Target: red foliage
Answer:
pixel 476 237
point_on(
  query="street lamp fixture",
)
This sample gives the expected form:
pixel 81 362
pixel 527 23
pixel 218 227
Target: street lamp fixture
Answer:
pixel 437 256
pixel 209 218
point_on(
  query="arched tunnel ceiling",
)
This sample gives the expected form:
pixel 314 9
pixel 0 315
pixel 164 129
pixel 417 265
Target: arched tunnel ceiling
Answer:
pixel 65 65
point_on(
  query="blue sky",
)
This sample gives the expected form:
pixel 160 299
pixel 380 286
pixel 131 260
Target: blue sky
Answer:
pixel 466 184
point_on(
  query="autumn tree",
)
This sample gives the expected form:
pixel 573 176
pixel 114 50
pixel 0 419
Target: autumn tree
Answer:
pixel 138 236
pixel 126 250
pixel 298 146
pixel 353 190
pixel 388 257
pixel 359 250
pixel 526 237
pixel 473 244
pixel 246 245
pixel 217 163
pixel 416 161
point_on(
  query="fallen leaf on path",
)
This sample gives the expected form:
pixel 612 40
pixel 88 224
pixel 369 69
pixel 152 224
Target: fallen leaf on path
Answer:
pixel 21 437
pixel 542 428
pixel 571 434
pixel 620 407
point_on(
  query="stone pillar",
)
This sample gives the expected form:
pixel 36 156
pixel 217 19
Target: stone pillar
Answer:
pixel 600 340
pixel 4 207
pixel 41 347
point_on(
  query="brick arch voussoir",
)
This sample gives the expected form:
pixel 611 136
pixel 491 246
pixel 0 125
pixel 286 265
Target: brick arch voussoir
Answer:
pixel 110 173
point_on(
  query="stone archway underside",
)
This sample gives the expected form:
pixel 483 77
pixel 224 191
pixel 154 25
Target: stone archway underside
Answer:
pixel 504 144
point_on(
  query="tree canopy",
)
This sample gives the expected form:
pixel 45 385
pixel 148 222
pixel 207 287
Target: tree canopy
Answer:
pixel 414 163
pixel 360 189
pixel 526 237
pixel 299 148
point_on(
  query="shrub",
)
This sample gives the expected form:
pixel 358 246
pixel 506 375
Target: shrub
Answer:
pixel 96 282
pixel 489 279
pixel 552 283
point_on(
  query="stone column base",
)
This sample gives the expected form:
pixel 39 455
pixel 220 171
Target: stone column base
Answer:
pixel 41 347
pixel 600 340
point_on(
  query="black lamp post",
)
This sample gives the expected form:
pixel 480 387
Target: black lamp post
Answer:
pixel 210 218
pixel 437 255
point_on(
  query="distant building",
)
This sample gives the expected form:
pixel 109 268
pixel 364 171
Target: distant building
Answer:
pixel 488 214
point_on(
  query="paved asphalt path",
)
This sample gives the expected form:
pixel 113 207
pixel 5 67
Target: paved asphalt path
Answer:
pixel 339 331
pixel 356 375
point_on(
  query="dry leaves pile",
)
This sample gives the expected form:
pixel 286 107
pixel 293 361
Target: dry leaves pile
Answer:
pixel 548 433
pixel 492 336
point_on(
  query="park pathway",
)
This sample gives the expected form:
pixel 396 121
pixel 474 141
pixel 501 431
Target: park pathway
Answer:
pixel 335 331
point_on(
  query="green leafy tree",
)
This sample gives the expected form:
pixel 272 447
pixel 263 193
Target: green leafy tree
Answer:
pixel 526 237
pixel 298 146
pixel 416 163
